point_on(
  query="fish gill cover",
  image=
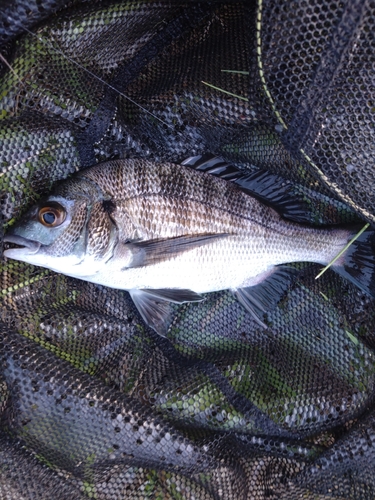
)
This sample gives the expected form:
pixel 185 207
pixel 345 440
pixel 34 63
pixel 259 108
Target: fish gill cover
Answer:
pixel 93 403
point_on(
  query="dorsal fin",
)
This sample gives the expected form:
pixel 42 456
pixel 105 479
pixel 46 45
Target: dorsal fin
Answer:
pixel 276 192
pixel 269 188
pixel 213 165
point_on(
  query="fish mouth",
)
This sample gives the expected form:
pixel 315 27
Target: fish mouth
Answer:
pixel 21 244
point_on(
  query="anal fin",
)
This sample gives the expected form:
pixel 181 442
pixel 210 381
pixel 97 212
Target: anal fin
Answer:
pixel 265 295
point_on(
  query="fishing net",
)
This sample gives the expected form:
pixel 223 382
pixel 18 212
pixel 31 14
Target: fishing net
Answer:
pixel 93 404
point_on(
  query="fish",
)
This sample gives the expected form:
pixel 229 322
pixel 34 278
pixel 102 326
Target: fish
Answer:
pixel 170 233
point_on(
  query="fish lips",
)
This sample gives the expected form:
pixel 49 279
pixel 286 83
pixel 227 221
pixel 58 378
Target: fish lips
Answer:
pixel 28 247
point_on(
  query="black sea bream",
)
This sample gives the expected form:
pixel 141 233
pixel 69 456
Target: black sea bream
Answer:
pixel 169 233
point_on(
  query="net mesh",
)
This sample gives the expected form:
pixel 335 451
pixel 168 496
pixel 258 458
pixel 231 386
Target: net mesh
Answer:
pixel 93 404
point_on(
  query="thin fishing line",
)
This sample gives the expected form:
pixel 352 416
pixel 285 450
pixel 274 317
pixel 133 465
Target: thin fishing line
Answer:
pixel 2 58
pixel 59 51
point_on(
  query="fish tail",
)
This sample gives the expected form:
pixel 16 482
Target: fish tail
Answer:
pixel 357 264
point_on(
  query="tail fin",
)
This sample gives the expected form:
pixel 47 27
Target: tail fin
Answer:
pixel 358 263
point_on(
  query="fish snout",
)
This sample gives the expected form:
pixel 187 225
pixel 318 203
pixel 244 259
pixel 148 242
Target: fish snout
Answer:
pixel 22 244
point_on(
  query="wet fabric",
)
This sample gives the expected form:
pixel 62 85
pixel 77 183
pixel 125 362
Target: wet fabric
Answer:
pixel 93 404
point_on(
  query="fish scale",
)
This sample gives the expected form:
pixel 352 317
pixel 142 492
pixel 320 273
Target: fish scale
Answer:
pixel 168 233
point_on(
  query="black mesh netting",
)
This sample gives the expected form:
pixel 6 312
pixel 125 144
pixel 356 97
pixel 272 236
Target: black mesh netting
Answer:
pixel 93 404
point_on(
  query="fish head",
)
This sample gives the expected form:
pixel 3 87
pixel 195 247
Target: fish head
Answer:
pixel 71 236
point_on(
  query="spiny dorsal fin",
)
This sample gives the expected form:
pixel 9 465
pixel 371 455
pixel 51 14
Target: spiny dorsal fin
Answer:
pixel 213 165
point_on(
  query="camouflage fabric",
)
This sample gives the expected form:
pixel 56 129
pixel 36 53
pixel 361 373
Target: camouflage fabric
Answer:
pixel 93 404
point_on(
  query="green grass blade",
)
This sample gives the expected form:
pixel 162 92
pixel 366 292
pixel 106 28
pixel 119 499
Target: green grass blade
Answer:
pixel 237 71
pixel 352 337
pixel 342 251
pixel 225 91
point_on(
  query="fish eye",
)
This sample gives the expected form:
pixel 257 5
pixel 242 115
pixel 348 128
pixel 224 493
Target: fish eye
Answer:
pixel 52 215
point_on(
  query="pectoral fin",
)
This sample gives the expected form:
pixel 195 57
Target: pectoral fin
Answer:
pixel 154 305
pixel 151 252
pixel 265 296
